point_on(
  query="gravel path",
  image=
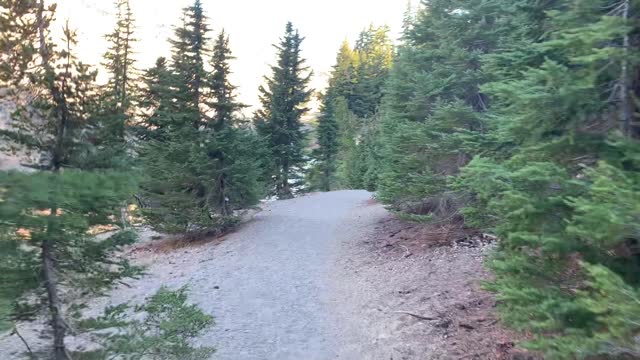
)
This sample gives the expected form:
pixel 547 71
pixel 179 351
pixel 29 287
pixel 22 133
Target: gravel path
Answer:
pixel 274 277
pixel 319 278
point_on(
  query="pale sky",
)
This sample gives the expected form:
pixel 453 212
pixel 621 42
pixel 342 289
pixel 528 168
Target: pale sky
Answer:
pixel 253 25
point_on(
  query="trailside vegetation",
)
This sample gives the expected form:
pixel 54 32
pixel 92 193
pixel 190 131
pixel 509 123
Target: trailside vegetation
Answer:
pixel 521 117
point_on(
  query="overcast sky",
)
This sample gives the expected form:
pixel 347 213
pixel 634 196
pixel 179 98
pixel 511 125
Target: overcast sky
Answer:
pixel 253 25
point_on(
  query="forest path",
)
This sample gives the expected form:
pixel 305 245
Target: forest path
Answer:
pixel 275 286
pixel 270 285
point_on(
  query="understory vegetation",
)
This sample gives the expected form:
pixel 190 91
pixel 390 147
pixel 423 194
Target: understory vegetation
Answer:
pixel 516 117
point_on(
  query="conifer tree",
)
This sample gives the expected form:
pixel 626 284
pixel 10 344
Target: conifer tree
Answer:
pixel 433 103
pixel 200 164
pixel 47 214
pixel 374 49
pixel 114 108
pixel 328 141
pixel 233 151
pixel 119 60
pixel 155 102
pixel 341 87
pixel 283 103
pixel 541 90
pixel 555 193
pixel 222 94
pixel 176 195
pixel 189 51
pixel 119 63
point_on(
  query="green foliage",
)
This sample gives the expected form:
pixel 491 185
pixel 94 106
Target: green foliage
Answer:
pixel 48 217
pixel 114 110
pixel 328 142
pixel 349 147
pixel 521 110
pixel 161 328
pixel 433 109
pixel 284 98
pixel 83 201
pixel 200 163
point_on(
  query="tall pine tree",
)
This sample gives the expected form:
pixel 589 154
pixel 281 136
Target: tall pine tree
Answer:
pixel 358 78
pixel 433 108
pixel 119 64
pixel 283 103
pixel 176 195
pixel 200 163
pixel 234 152
pixel 189 51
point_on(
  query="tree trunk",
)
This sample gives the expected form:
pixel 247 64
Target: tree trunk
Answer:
pixel 223 201
pixel 51 285
pixel 284 189
pixel 326 181
pixel 48 260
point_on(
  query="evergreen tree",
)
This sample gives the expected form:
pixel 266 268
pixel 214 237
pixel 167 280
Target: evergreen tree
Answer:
pixel 283 104
pixel 433 116
pixel 328 142
pixel 17 39
pixel 119 59
pixel 189 51
pixel 357 78
pixel 224 103
pixel 113 113
pixel 374 49
pixel 234 152
pixel 176 195
pixel 557 179
pixel 119 63
pixel 155 102
pixel 562 191
pixel 200 165
pixel 47 214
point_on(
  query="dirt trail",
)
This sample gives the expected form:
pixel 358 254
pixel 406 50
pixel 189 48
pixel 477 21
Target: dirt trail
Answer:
pixel 268 285
pixel 312 278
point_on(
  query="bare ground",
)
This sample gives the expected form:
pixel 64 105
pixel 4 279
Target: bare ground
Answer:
pixel 325 276
pixel 416 291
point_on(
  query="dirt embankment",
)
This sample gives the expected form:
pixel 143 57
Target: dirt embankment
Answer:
pixel 419 291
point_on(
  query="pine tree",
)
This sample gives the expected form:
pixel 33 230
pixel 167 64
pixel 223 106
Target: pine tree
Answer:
pixel 119 64
pixel 18 38
pixel 283 104
pixel 567 186
pixel 47 214
pixel 374 49
pixel 119 59
pixel 433 117
pixel 176 194
pixel 328 142
pixel 200 164
pixel 234 152
pixel 358 79
pixel 224 103
pixel 155 102
pixel 189 51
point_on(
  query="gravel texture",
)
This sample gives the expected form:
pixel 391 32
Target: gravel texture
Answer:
pixel 268 284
